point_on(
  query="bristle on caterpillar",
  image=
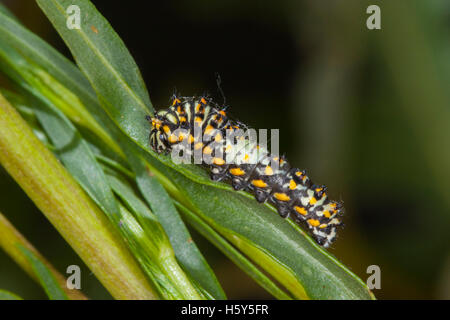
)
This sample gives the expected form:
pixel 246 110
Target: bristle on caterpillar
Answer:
pixel 201 125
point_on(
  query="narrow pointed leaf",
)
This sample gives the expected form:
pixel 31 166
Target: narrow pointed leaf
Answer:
pixel 305 269
pixel 11 238
pixel 52 64
pixel 104 59
pixel 112 72
pixel 68 208
pixel 75 155
pixel 81 163
pixel 239 259
pixel 185 249
pixel 45 276
pixel 4 10
pixel 99 46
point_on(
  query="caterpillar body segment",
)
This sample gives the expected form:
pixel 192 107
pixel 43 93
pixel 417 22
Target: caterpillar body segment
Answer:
pixel 198 126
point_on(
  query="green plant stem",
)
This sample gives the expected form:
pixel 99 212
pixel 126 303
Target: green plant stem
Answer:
pixel 10 237
pixel 68 208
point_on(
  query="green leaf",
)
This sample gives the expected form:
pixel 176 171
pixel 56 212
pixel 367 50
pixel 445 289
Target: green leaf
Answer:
pixel 197 269
pixel 6 295
pixel 10 237
pixel 28 114
pixel 113 74
pixel 66 124
pixel 147 221
pixel 121 72
pixel 46 278
pixel 285 252
pixel 186 251
pixel 168 277
pixel 104 59
pixel 68 208
pixel 81 163
pixel 304 268
pixel 76 156
pixel 67 142
pixel 4 10
pixel 74 93
pixel 115 166
pixel 240 260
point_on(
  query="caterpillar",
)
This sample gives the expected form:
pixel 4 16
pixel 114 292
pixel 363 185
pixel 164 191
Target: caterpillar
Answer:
pixel 197 125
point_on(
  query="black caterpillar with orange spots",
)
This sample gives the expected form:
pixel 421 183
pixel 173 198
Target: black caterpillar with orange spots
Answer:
pixel 198 126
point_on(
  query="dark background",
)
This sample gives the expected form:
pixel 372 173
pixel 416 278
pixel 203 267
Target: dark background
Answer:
pixel 364 111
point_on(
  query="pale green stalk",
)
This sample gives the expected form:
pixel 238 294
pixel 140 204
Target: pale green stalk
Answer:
pixel 68 208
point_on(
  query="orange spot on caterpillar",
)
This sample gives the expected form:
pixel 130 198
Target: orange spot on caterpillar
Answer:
pixel 301 210
pixel 218 161
pixel 282 190
pixel 292 185
pixel 259 183
pixel 237 172
pixel 173 138
pixel 208 129
pixel 268 171
pixel 198 120
pixel 166 129
pixel 281 196
pixel 313 222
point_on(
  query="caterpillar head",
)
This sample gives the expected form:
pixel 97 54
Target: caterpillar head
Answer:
pixel 164 123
